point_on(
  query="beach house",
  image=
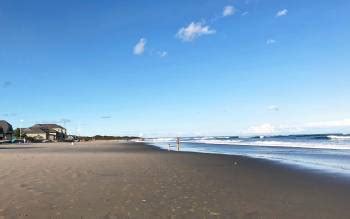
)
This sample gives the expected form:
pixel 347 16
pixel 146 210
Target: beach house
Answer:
pixel 35 133
pixel 6 131
pixel 49 132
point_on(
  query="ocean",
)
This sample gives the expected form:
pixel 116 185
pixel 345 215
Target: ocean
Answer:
pixel 328 153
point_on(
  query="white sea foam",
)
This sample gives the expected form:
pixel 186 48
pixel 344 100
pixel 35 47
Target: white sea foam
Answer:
pixel 330 144
pixel 204 141
pixel 277 144
pixel 339 137
pixel 160 140
pixel 298 144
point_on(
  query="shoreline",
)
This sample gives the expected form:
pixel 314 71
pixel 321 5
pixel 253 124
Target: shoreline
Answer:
pixel 321 174
pixel 322 161
pixel 110 179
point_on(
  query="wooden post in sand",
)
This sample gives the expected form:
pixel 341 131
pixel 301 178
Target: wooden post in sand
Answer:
pixel 178 143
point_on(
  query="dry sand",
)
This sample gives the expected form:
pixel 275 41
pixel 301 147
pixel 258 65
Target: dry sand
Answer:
pixel 119 180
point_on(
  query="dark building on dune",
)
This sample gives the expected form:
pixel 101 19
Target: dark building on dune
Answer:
pixel 6 131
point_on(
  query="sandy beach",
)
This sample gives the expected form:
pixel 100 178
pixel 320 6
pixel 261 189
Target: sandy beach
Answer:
pixel 132 180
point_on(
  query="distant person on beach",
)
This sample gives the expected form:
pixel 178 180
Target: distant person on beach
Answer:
pixel 178 143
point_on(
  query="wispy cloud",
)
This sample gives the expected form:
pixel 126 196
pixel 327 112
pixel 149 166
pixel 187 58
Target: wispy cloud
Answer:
pixel 64 121
pixel 281 13
pixel 9 114
pixel 228 11
pixel 330 124
pixel 139 48
pixel 270 129
pixel 106 117
pixel 262 129
pixel 60 121
pixel 245 13
pixel 6 84
pixel 270 41
pixel 162 54
pixel 273 108
pixel 193 31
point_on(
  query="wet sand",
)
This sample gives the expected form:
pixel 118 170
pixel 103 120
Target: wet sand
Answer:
pixel 131 180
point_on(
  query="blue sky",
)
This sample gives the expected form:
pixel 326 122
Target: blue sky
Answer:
pixel 171 68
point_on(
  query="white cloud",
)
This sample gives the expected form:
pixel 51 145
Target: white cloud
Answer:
pixel 228 11
pixel 329 124
pixel 139 48
pixel 193 31
pixel 269 129
pixel 262 129
pixel 245 13
pixel 273 108
pixel 270 41
pixel 311 127
pixel 281 13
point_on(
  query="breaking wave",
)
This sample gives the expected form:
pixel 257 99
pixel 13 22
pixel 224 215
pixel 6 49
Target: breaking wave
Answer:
pixel 330 153
pixel 327 141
